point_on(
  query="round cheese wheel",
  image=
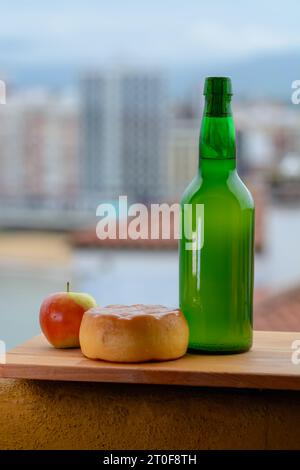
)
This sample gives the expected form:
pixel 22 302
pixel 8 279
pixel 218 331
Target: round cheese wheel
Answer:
pixel 135 333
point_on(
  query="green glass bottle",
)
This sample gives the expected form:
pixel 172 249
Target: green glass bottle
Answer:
pixel 216 248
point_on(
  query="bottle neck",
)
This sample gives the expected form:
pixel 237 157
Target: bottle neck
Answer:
pixel 217 149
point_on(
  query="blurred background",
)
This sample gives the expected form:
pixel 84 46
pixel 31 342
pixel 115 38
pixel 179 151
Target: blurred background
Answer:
pixel 104 99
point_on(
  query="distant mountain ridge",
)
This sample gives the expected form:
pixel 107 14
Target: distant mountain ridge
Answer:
pixel 261 76
pixel 268 75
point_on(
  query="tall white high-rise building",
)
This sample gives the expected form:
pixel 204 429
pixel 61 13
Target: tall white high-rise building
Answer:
pixel 183 155
pixel 39 149
pixel 123 130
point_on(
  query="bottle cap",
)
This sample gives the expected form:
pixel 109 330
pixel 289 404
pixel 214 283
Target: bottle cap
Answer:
pixel 217 86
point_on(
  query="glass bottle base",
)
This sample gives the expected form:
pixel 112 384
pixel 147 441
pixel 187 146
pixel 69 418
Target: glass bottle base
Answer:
pixel 217 349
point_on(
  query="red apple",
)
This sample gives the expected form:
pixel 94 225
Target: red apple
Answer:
pixel 60 317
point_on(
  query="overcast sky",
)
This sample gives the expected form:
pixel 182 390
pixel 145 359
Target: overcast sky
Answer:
pixel 145 31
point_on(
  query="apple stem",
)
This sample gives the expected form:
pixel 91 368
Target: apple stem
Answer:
pixel 68 286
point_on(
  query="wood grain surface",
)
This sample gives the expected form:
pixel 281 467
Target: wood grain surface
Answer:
pixel 267 366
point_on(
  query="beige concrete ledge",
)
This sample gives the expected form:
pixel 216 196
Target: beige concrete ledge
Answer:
pixel 56 415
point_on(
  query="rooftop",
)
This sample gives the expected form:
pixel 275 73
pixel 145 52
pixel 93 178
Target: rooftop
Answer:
pixel 279 312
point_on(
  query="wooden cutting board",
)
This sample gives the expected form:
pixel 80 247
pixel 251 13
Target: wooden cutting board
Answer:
pixel 267 365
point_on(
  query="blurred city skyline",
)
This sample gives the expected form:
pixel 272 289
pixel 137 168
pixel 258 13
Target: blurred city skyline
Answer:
pixel 62 154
